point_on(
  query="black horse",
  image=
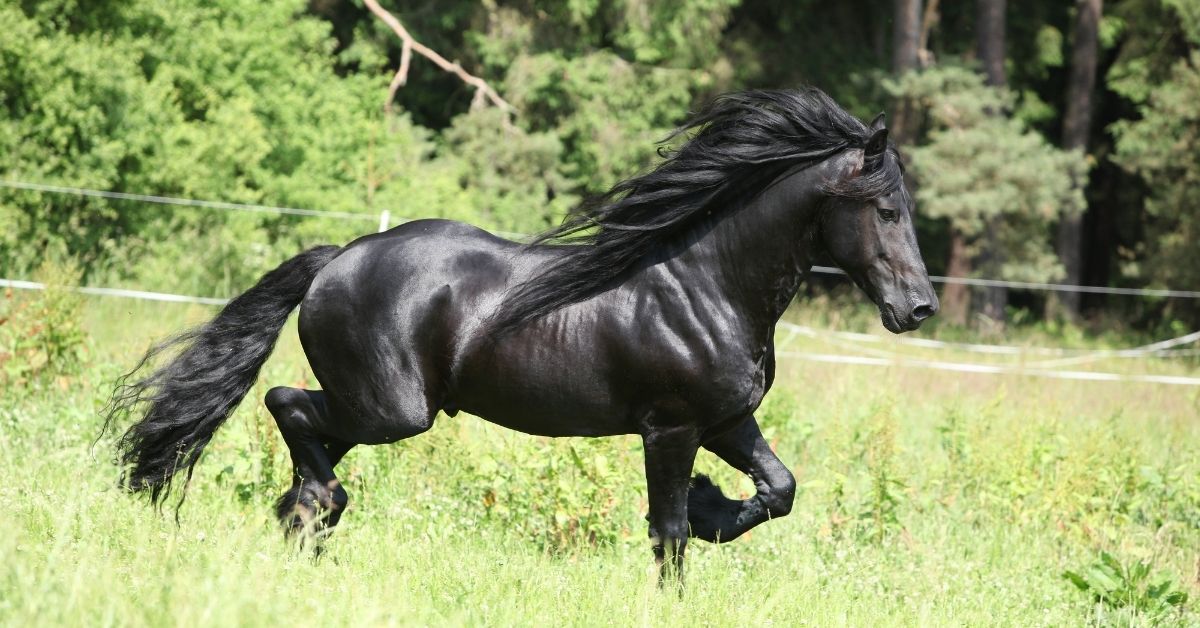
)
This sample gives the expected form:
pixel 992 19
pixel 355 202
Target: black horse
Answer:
pixel 650 311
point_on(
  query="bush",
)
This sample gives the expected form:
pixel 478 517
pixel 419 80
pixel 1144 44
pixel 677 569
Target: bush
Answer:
pixel 562 496
pixel 40 332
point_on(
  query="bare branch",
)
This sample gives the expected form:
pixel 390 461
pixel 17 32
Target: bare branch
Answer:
pixel 405 59
pixel 483 91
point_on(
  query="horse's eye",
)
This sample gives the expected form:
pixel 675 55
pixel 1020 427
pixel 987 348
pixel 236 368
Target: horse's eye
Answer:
pixel 888 215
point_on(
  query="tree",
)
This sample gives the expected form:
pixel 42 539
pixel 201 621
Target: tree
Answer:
pixel 989 31
pixel 989 28
pixel 906 48
pixel 1160 148
pixel 1077 119
pixel 906 36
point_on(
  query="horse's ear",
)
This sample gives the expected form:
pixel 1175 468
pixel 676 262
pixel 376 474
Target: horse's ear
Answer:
pixel 877 123
pixel 877 144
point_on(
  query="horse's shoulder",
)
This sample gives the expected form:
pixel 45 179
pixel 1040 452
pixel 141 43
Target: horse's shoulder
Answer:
pixel 718 367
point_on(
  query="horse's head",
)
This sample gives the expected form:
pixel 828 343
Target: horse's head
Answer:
pixel 870 235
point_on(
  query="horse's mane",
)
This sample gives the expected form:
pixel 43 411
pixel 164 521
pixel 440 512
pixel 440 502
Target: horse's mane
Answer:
pixel 734 147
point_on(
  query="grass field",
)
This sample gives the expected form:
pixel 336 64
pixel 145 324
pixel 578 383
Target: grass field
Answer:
pixel 927 498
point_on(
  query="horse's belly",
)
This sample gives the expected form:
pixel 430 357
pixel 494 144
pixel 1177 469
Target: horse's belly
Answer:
pixel 546 394
pixel 548 411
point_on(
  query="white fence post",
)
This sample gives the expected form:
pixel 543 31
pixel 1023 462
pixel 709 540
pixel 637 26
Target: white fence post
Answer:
pixel 385 217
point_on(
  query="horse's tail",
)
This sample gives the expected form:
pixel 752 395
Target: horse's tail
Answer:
pixel 184 401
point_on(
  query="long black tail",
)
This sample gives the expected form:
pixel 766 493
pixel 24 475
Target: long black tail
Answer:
pixel 184 401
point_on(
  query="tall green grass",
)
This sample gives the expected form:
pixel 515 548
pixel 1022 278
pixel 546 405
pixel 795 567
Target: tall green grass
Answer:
pixel 926 498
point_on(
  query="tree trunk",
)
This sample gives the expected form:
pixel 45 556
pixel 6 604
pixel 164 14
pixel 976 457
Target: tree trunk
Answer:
pixel 1077 122
pixel 956 298
pixel 906 35
pixel 906 44
pixel 989 30
pixel 989 33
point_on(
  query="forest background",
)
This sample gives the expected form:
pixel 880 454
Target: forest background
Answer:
pixel 1046 141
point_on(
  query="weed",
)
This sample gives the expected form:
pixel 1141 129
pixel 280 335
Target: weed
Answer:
pixel 40 332
pixel 880 455
pixel 1131 586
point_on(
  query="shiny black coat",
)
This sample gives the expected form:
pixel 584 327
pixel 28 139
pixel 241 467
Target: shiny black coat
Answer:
pixel 660 323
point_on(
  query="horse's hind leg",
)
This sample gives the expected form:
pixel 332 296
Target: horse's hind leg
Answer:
pixel 716 518
pixel 316 500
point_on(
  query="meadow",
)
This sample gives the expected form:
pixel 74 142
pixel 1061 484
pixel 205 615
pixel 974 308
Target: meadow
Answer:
pixel 927 498
pixel 1048 141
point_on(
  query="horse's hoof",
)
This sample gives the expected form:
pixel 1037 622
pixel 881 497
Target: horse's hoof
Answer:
pixel 709 510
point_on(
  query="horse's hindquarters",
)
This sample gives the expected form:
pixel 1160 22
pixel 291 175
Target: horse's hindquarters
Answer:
pixel 381 325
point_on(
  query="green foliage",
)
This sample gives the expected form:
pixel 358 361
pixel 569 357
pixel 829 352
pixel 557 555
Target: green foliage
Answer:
pixel 979 167
pixel 954 439
pixel 512 175
pixel 681 34
pixel 559 497
pixel 1129 586
pixel 1160 148
pixel 608 113
pixel 194 101
pixel 72 112
pixel 185 101
pixel 1188 13
pixel 1050 47
pixel 1149 33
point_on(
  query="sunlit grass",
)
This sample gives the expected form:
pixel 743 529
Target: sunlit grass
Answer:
pixel 927 498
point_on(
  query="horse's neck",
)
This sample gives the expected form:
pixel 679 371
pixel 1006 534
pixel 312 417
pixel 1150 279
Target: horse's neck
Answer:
pixel 758 254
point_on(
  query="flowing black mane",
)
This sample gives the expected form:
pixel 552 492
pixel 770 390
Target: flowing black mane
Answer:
pixel 735 146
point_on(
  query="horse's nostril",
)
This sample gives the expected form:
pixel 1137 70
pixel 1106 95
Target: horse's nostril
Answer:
pixel 922 312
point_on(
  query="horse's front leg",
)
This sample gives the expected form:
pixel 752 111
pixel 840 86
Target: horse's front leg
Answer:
pixel 670 454
pixel 716 518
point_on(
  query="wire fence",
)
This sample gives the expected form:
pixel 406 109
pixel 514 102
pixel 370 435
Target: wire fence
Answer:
pixel 1153 349
pixel 1049 287
pixel 1043 368
pixel 186 202
pixel 854 343
pixel 991 369
pixel 142 295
